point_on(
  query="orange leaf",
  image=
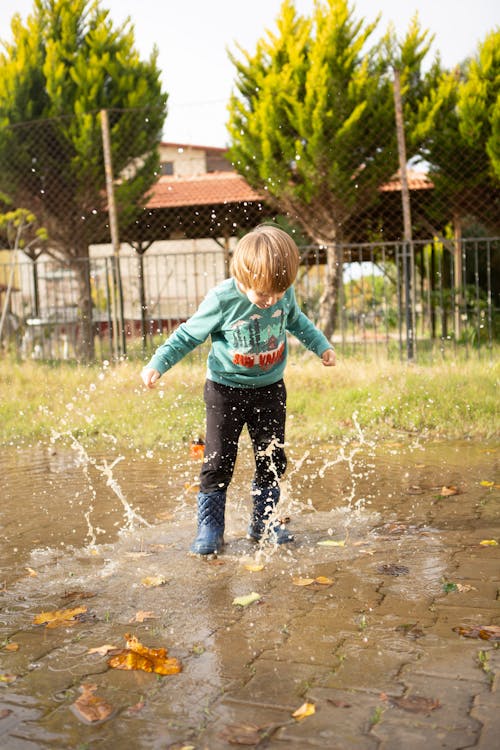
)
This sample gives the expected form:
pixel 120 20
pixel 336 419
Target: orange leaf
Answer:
pixel 91 708
pixel 153 581
pixel 12 647
pixel 485 632
pixel 137 656
pixel 448 491
pixel 141 616
pixel 323 580
pixel 306 709
pixel 59 617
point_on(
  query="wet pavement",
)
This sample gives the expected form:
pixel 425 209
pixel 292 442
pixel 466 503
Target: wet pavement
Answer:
pixel 357 620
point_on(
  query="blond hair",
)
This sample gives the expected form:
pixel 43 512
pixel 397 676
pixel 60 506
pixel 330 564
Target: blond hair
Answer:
pixel 266 260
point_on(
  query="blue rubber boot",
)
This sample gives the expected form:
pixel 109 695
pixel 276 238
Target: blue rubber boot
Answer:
pixel 262 525
pixel 211 509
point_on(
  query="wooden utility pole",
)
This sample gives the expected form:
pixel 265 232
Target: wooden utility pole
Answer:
pixel 408 254
pixel 116 287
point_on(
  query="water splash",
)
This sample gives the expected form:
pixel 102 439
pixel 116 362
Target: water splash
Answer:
pixel 132 517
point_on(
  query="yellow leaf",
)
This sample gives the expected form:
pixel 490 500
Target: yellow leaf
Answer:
pixel 254 567
pixel 485 483
pixel 32 573
pixel 137 656
pixel 8 678
pixel 303 581
pixel 244 601
pixel 306 709
pixel 332 543
pixel 152 581
pixel 323 580
pixel 489 543
pixel 59 617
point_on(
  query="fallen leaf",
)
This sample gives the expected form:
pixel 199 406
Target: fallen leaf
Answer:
pixel 59 617
pixel 152 581
pixel 91 708
pixel 32 573
pixel 137 656
pixel 416 704
pixel 242 734
pixel 141 616
pixel 338 704
pixel 393 570
pixel 191 486
pixel 485 483
pixel 302 581
pixel 489 543
pixel 463 587
pixel 102 650
pixel 323 580
pixel 485 632
pixel 448 491
pixel 12 647
pixel 8 678
pixel 77 595
pixel 332 543
pixel 254 567
pixel 244 601
pixel 306 709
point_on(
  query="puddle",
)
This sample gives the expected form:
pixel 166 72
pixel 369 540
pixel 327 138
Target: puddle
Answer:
pixel 87 529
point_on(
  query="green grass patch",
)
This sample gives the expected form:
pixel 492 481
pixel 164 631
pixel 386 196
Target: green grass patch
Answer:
pixel 386 399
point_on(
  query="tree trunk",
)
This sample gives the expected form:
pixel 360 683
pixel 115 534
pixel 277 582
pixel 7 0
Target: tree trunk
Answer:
pixel 328 307
pixel 85 346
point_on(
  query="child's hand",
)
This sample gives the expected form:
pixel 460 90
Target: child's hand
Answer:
pixel 149 377
pixel 328 358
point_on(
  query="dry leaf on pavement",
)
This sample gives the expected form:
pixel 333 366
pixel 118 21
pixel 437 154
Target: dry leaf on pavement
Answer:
pixel 485 632
pixel 59 617
pixel 416 704
pixel 91 708
pixel 306 709
pixel 137 656
pixel 244 601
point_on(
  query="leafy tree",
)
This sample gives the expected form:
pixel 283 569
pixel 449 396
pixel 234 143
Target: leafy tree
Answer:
pixel 59 70
pixel 459 130
pixel 312 120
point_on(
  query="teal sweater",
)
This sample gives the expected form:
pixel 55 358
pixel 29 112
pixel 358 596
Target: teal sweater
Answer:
pixel 249 344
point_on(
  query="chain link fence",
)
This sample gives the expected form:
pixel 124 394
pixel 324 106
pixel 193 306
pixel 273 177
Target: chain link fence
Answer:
pixel 104 247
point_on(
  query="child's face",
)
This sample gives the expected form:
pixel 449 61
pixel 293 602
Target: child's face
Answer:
pixel 261 299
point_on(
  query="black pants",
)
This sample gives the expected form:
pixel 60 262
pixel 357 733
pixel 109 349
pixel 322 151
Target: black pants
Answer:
pixel 228 409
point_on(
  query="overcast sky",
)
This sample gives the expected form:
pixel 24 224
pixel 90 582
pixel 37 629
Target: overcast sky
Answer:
pixel 193 37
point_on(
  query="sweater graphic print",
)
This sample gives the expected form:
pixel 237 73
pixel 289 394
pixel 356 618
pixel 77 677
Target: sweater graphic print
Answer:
pixel 254 345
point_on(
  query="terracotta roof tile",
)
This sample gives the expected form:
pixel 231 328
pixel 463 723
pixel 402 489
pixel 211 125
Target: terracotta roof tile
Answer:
pixel 201 190
pixel 416 181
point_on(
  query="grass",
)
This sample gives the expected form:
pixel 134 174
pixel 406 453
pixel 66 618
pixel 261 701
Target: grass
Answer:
pixel 455 400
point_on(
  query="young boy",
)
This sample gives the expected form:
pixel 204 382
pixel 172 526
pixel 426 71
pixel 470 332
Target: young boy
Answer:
pixel 247 317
